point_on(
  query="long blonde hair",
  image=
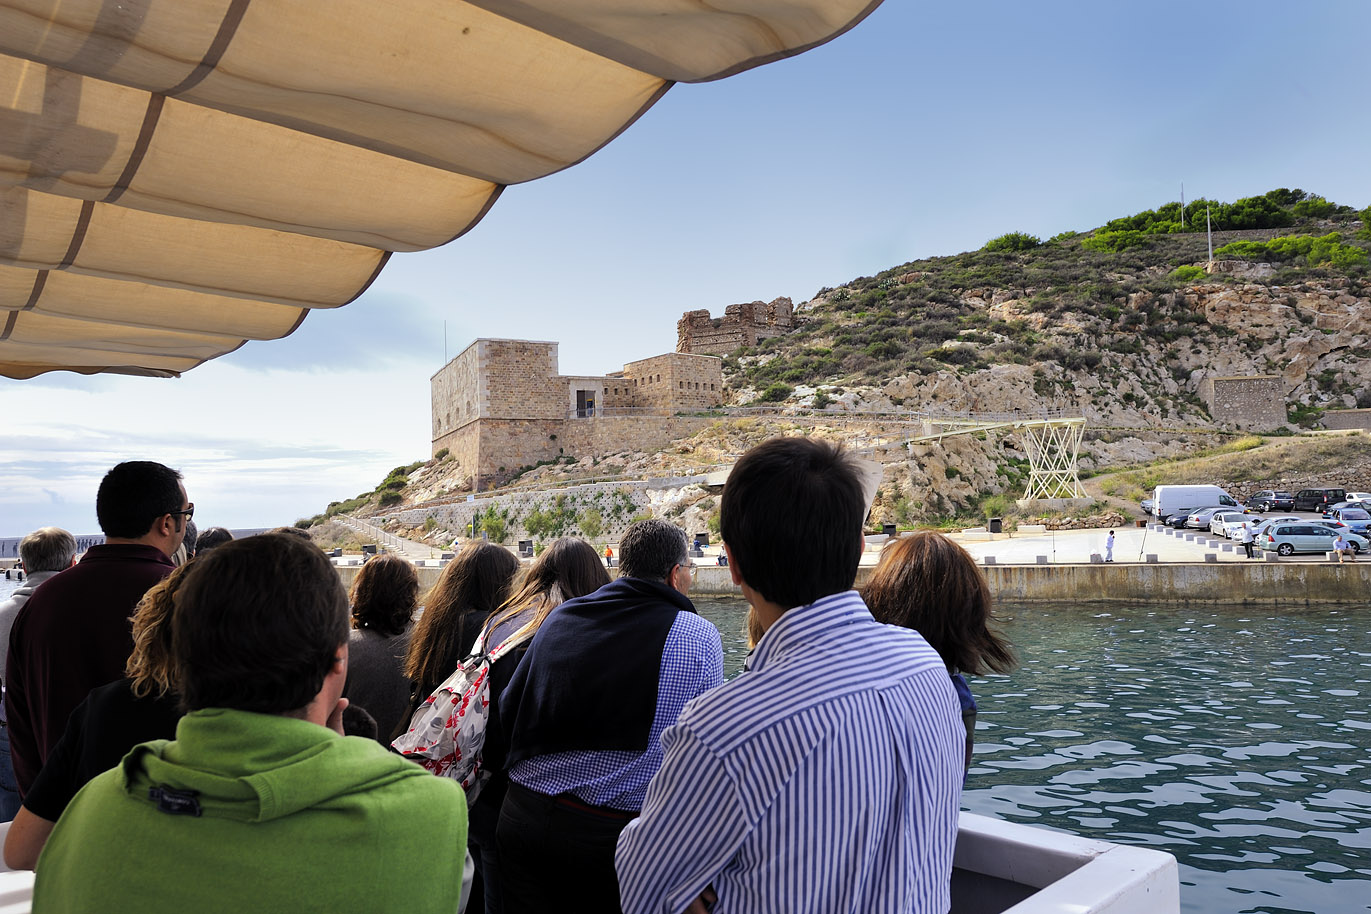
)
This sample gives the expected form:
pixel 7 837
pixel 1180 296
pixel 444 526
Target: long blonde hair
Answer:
pixel 150 665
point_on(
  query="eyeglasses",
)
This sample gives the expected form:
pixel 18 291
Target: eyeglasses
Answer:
pixel 188 513
pixel 690 568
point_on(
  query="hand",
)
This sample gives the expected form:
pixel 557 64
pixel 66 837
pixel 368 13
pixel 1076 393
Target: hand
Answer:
pixel 335 720
pixel 705 903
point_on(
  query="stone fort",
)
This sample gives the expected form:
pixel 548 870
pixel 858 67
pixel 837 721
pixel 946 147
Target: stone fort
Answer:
pixel 741 325
pixel 501 405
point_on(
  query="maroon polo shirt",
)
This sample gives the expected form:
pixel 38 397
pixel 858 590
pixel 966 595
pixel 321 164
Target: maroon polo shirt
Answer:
pixel 73 635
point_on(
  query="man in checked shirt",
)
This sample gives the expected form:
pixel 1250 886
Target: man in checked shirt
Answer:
pixel 584 713
pixel 826 778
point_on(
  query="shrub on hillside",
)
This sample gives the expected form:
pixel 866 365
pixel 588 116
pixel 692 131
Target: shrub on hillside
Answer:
pixel 1114 241
pixel 1313 250
pixel 1011 242
pixel 1188 273
pixel 775 393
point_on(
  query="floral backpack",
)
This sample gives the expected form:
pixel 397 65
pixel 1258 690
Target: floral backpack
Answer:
pixel 447 731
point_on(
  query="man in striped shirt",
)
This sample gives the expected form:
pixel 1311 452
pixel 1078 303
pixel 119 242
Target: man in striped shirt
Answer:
pixel 826 778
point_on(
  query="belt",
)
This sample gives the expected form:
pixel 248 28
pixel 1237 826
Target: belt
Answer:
pixel 604 812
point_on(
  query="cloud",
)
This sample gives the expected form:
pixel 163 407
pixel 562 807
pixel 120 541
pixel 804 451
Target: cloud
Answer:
pixel 376 331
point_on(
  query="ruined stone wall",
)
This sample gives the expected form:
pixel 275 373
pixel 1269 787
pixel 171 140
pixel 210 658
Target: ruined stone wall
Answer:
pixel 611 434
pixel 1255 402
pixel 1347 418
pixel 742 325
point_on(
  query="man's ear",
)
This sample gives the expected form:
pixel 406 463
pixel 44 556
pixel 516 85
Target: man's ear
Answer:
pixel 733 567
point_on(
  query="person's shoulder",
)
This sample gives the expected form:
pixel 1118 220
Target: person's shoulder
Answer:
pixel 695 626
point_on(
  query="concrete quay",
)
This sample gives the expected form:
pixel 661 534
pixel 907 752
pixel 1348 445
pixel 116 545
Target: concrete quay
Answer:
pixel 1184 571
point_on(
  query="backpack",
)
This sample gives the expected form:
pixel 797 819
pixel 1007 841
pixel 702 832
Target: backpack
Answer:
pixel 447 731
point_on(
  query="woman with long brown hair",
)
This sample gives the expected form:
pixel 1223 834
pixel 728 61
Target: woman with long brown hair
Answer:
pixel 471 587
pixel 930 584
pixel 566 569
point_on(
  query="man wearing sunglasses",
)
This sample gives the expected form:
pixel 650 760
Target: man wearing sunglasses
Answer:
pixel 73 634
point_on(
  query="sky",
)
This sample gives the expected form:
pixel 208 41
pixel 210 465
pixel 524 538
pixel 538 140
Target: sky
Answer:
pixel 925 130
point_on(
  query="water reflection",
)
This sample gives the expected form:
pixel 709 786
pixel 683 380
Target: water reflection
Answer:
pixel 1234 738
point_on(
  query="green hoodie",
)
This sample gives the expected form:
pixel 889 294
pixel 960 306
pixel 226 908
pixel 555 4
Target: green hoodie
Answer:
pixel 292 817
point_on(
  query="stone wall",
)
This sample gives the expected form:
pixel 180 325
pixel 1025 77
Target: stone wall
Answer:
pixel 610 434
pixel 1347 418
pixel 617 503
pixel 741 325
pixel 455 394
pixel 1255 402
pixel 676 380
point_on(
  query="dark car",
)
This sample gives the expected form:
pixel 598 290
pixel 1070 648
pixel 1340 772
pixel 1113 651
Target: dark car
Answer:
pixel 1271 500
pixel 1317 499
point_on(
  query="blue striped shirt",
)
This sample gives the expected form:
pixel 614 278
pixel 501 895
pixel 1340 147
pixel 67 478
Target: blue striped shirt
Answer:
pixel 692 662
pixel 825 779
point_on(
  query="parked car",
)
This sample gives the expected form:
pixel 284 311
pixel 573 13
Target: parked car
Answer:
pixel 1178 519
pixel 1232 528
pixel 1270 500
pixel 1356 517
pixel 1199 518
pixel 1265 525
pixel 1287 539
pixel 1217 519
pixel 1146 505
pixel 1360 497
pixel 1328 511
pixel 1317 499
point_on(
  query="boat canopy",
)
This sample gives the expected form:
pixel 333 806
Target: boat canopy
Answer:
pixel 180 176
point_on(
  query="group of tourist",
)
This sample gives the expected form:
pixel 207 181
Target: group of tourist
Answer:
pixel 232 718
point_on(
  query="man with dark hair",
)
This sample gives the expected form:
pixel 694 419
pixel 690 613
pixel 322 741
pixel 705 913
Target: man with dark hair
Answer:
pixel 74 634
pixel 826 778
pixel 603 677
pixel 260 803
pixel 42 554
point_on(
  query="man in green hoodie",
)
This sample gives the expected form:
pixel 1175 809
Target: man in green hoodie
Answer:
pixel 260 803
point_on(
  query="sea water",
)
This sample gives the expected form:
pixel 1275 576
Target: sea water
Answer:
pixel 1235 738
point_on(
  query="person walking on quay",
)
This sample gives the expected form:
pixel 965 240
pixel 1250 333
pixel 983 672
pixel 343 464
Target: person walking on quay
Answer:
pixel 1248 538
pixel 1109 547
pixel 828 776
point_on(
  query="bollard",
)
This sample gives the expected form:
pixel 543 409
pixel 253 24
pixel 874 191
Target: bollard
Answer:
pixel 1211 557
pixel 1272 557
pixel 1227 547
pixel 1041 560
pixel 1152 558
pixel 1332 556
pixel 990 560
pixel 1096 558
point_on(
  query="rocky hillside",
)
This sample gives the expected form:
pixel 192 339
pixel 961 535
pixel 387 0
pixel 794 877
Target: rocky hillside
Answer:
pixel 1121 323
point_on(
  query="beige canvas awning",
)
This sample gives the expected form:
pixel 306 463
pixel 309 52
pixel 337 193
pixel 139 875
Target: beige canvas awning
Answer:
pixel 180 176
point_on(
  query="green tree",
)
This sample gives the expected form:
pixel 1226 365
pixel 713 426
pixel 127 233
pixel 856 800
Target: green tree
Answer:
pixel 591 523
pixel 493 525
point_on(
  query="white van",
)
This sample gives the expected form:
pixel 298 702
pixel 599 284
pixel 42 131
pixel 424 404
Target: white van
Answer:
pixel 1167 500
